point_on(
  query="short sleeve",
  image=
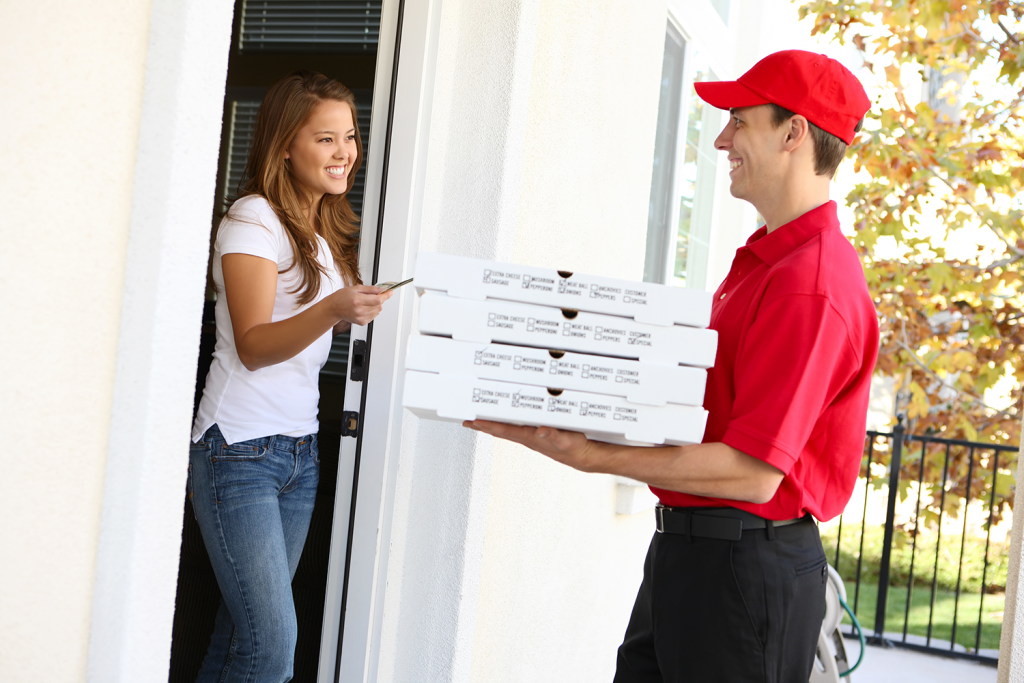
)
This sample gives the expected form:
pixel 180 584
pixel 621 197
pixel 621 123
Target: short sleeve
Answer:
pixel 793 362
pixel 248 229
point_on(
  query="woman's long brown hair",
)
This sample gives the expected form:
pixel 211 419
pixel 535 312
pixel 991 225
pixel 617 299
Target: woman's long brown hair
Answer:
pixel 287 107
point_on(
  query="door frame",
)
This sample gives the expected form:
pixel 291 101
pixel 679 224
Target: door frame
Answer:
pixel 368 465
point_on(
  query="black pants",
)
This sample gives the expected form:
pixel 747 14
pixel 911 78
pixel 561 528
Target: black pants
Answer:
pixel 713 611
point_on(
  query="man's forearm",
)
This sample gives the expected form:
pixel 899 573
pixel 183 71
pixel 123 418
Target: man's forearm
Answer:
pixel 710 469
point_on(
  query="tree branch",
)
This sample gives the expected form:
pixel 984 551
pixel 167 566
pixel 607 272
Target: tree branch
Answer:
pixel 968 30
pixel 959 392
pixel 1011 36
pixel 991 225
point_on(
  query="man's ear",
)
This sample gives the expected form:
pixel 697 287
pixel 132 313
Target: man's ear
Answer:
pixel 797 130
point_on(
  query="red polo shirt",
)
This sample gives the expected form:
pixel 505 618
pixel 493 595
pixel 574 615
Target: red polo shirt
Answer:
pixel 797 342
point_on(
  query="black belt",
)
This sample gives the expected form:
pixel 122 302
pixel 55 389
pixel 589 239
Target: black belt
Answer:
pixel 727 524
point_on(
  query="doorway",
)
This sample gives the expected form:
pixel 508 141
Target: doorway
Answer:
pixel 271 38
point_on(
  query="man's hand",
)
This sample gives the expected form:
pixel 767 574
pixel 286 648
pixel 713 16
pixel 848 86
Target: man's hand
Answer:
pixel 569 448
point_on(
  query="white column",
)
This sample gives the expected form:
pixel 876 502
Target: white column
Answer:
pixel 1011 642
pixel 147 460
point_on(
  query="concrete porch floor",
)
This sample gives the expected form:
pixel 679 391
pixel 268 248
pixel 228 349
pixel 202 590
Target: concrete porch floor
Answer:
pixel 896 665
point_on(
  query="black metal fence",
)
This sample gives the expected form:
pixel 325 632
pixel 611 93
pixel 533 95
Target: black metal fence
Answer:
pixel 970 472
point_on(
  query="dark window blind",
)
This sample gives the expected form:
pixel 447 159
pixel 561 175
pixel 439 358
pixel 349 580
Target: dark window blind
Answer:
pixel 243 121
pixel 310 25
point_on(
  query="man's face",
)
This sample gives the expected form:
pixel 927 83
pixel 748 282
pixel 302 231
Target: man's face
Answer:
pixel 754 148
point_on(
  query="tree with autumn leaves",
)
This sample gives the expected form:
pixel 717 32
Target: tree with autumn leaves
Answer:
pixel 939 207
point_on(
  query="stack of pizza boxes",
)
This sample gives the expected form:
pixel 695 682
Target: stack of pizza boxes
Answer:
pixel 623 362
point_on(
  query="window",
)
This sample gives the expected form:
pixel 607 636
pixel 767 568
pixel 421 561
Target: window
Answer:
pixel 683 175
pixel 722 7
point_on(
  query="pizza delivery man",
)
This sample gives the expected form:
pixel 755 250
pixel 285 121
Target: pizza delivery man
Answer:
pixel 734 580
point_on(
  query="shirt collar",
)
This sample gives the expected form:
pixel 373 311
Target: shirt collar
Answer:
pixel 772 247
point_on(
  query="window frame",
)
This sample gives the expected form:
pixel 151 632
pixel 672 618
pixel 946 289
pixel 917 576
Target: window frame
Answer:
pixel 703 213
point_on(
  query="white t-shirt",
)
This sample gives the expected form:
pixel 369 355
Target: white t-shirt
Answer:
pixel 281 398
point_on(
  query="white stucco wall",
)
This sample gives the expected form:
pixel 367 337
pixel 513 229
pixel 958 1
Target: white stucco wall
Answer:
pixel 71 80
pixel 560 568
pixel 536 154
pixel 470 200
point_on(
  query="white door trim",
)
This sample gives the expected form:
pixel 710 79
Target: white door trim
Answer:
pixel 399 165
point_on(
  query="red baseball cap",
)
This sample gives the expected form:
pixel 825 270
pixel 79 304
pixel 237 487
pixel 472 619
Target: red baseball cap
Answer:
pixel 813 85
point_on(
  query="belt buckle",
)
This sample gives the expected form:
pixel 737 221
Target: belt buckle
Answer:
pixel 659 516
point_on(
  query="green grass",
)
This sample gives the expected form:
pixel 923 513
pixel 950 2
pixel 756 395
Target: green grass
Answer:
pixel 942 619
pixel 951 567
pixel 949 571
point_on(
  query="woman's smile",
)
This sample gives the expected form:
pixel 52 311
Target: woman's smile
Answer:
pixel 327 142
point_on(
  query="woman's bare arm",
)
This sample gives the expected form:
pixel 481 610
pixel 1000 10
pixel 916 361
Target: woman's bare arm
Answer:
pixel 250 285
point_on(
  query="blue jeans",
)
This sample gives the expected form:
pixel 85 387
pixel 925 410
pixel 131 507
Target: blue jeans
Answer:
pixel 253 500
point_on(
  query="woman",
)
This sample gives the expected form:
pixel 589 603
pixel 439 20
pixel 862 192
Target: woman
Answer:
pixel 286 273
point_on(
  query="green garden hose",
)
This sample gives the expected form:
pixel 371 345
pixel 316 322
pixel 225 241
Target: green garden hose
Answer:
pixel 860 634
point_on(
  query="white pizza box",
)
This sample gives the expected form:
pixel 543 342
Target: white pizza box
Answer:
pixel 635 381
pixel 508 322
pixel 647 302
pixel 601 417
